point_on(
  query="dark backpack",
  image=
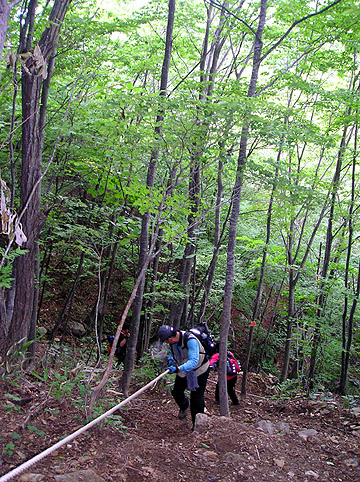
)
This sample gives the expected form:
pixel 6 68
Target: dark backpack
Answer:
pixel 120 351
pixel 205 338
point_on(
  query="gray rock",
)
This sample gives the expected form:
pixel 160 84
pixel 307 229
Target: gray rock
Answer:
pixel 80 476
pixel 355 411
pixel 233 458
pixel 42 330
pixel 352 462
pixel 201 422
pixel 31 477
pixel 282 427
pixel 311 473
pixel 269 428
pixel 266 426
pixel 77 329
pixel 307 433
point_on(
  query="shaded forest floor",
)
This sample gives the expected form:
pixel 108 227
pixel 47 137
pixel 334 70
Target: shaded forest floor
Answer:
pixel 148 442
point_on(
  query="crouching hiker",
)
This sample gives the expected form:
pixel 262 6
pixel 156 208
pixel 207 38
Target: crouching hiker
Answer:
pixel 187 358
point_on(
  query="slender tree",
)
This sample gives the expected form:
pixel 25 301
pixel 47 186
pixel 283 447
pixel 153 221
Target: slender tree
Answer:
pixel 145 221
pixel 36 74
pixel 320 311
pixel 5 9
pixel 348 319
pixel 230 263
pixel 209 56
pixel 259 289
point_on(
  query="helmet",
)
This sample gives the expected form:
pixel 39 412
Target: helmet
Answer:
pixel 165 332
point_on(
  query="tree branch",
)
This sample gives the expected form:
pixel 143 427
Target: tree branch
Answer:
pixel 14 3
pixel 294 25
pixel 222 7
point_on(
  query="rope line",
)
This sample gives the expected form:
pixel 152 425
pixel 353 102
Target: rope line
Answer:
pixel 70 437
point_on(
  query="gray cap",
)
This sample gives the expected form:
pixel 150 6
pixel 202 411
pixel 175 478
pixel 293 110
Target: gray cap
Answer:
pixel 165 332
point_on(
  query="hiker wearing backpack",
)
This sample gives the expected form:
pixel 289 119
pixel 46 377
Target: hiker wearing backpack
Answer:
pixel 120 351
pixel 187 358
pixel 232 370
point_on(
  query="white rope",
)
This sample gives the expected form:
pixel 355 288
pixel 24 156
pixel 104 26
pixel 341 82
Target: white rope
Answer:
pixel 67 439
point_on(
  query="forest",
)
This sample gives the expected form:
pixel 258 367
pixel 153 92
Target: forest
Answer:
pixel 177 162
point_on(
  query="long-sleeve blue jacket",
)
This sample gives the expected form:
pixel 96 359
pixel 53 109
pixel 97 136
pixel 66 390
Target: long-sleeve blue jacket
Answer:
pixel 192 355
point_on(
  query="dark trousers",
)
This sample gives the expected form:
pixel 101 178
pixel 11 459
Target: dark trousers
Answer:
pixel 120 355
pixel 230 389
pixel 197 403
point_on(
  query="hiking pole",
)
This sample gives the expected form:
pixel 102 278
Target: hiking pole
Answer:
pixel 70 437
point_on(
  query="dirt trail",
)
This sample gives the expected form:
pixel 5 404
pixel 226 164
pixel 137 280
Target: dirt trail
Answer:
pixel 156 446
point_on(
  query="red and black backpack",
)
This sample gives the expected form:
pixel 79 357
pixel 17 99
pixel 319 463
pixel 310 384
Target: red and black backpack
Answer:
pixel 232 365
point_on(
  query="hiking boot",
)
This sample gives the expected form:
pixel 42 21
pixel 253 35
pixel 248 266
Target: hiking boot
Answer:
pixel 183 413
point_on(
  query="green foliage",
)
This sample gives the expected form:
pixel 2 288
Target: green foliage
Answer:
pixel 60 384
pixel 148 368
pixel 350 401
pixel 35 430
pixel 288 389
pixel 6 271
pixel 9 449
pixel 107 78
pixel 10 407
pixel 267 350
pixel 103 405
pixel 329 363
pixel 14 361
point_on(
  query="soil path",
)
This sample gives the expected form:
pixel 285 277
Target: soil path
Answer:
pixel 150 443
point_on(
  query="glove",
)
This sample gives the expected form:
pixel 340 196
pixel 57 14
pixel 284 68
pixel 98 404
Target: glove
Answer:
pixel 173 369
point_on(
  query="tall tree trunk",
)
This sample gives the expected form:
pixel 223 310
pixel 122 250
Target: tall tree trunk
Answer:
pixel 107 290
pixel 293 252
pixel 290 320
pixel 179 311
pixel 211 270
pixel 33 321
pixel 145 327
pixel 257 301
pixel 66 311
pixel 144 236
pixel 273 317
pixel 100 306
pixel 294 276
pixel 144 339
pixel 319 314
pixel 345 356
pixel 34 71
pixel 230 262
pixel 5 9
pixel 347 331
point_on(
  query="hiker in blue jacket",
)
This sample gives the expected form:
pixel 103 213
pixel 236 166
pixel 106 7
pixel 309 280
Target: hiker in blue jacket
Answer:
pixel 188 360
